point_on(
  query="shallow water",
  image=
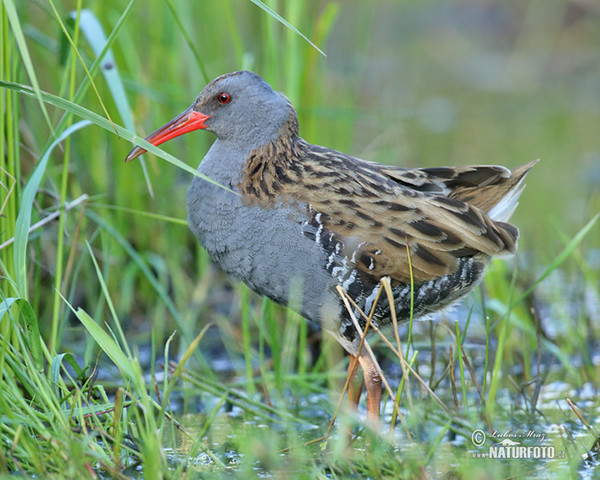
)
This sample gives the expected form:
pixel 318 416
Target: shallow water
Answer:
pixel 455 453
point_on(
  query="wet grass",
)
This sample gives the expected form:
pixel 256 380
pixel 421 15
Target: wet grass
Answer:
pixel 124 352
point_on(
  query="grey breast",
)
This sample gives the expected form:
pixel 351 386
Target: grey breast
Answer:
pixel 264 248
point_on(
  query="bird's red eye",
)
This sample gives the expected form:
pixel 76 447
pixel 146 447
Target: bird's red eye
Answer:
pixel 224 97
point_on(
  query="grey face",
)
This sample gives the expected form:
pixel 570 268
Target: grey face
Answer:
pixel 243 108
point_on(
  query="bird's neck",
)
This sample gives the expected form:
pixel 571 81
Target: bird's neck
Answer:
pixel 269 168
pixel 224 163
pixel 248 167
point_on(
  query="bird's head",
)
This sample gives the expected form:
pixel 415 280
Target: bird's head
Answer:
pixel 239 107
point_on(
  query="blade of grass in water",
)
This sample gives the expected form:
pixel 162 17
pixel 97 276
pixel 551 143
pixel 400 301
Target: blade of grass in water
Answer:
pixel 247 340
pixel 109 302
pixel 459 352
pixel 560 258
pixel 108 344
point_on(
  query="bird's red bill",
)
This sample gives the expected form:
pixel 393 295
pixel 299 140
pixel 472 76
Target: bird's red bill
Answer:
pixel 188 121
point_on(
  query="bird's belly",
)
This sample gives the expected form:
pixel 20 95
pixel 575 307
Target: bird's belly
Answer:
pixel 264 248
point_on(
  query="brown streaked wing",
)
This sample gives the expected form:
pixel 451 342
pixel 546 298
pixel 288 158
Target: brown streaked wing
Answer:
pixel 446 179
pixel 361 204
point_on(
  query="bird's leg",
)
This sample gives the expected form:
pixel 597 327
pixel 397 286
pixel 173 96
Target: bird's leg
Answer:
pixel 355 385
pixel 373 385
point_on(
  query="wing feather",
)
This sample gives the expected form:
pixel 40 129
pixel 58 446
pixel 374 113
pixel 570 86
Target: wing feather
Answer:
pixel 381 215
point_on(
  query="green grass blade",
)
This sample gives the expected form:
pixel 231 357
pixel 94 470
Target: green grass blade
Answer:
pixel 189 41
pixel 13 17
pixel 85 84
pixel 32 331
pixel 6 304
pixel 93 32
pixel 284 22
pixel 560 258
pixel 108 300
pixel 106 343
pixel 459 353
pixel 55 370
pixel 24 218
pixel 100 121
pixel 141 213
pixel 92 29
pixel 141 263
pixel 185 357
pixel 76 52
pixel 247 340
